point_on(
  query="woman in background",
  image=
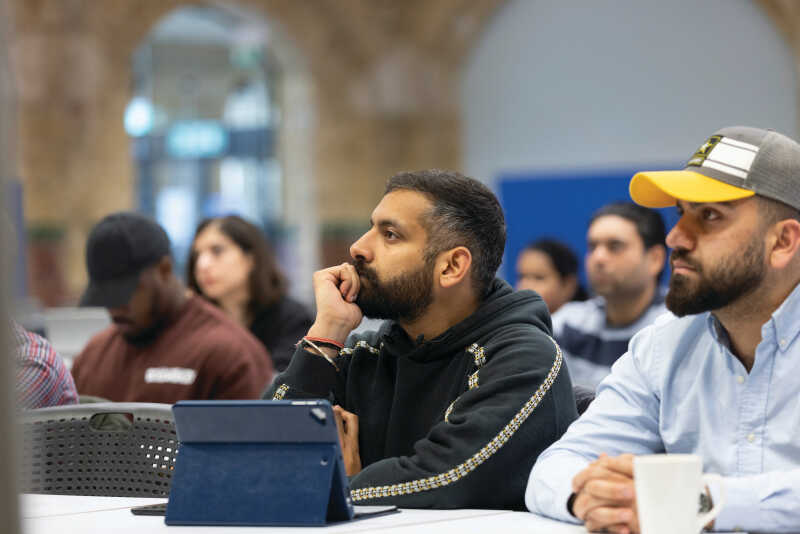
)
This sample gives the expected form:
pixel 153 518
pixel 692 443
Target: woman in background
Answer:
pixel 550 268
pixel 232 265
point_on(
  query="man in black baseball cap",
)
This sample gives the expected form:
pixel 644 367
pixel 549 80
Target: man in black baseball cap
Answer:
pixel 119 248
pixel 163 346
pixel 718 379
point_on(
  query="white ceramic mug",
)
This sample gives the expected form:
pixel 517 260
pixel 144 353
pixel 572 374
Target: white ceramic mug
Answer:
pixel 668 488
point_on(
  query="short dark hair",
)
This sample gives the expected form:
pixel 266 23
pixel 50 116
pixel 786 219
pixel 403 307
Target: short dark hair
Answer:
pixel 267 283
pixel 773 211
pixel 648 222
pixel 465 213
pixel 563 259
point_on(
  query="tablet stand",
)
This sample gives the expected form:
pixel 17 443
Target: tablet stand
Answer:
pixel 263 482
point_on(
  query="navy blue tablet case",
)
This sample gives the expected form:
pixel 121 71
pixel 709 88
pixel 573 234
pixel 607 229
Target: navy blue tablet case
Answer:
pixel 257 463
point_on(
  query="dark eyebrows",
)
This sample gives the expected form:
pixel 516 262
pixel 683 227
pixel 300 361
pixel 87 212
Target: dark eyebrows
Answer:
pixel 609 241
pixel 384 223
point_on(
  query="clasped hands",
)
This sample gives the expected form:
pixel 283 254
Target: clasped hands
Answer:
pixel 605 498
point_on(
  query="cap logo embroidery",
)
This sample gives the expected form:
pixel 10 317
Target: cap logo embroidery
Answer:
pixel 702 153
pixel 725 155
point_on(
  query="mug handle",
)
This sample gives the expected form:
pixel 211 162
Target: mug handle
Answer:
pixel 706 518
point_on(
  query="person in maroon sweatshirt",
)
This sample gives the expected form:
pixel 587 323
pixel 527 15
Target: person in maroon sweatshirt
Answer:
pixel 163 346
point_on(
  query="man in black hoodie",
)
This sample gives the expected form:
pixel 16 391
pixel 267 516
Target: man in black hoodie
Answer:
pixel 451 401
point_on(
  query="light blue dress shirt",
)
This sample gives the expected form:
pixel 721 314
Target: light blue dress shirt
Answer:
pixel 679 389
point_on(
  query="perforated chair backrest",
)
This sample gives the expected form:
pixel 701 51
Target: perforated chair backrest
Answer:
pixel 94 449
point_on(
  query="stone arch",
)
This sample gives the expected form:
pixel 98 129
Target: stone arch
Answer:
pixel 295 131
pixel 72 63
pixel 374 93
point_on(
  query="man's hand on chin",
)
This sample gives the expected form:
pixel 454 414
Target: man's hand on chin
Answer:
pixel 347 425
pixel 335 292
pixel 605 498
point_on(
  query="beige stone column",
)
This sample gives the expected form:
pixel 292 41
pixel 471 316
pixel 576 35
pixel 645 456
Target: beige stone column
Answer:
pixel 372 126
pixel 385 78
pixel 72 64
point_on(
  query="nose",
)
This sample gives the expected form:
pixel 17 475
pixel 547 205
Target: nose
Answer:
pixel 361 249
pixel 202 263
pixel 680 236
pixel 598 254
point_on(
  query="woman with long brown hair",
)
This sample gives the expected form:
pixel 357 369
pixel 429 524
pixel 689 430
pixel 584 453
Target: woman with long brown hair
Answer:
pixel 231 265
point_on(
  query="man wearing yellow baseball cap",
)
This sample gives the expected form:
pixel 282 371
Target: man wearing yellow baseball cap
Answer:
pixel 732 164
pixel 716 379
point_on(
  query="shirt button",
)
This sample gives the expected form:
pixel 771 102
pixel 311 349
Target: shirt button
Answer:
pixel 751 437
pixel 782 343
pixel 740 379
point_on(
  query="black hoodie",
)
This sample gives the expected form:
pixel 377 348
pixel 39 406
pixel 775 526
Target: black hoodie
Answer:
pixel 454 422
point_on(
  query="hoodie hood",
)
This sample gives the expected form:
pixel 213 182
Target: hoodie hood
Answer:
pixel 502 306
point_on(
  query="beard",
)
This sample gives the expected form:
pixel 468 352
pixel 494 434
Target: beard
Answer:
pixel 404 297
pixel 145 336
pixel 148 328
pixel 734 277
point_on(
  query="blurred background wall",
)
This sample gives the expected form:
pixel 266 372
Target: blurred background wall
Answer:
pixel 555 85
pixel 295 113
pixel 563 101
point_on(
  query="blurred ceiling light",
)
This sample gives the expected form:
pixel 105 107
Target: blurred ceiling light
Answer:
pixel 139 117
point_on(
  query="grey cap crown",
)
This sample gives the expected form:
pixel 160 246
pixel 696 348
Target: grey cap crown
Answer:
pixel 775 170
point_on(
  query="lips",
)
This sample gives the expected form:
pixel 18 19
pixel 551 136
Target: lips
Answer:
pixel 599 276
pixel 206 282
pixel 680 262
pixel 682 265
pixel 366 274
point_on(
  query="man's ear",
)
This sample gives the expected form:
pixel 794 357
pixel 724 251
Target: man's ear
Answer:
pixel 656 255
pixel 784 241
pixel 164 268
pixel 453 266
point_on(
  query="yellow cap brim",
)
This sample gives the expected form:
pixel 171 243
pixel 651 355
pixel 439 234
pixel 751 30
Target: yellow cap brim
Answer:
pixel 661 189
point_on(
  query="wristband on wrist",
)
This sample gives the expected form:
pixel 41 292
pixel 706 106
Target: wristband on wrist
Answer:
pixel 570 502
pixel 325 341
pixel 308 343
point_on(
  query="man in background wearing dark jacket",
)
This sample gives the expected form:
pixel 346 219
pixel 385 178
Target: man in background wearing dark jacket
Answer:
pixel 450 402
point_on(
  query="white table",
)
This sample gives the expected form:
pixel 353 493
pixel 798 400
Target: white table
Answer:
pixel 65 514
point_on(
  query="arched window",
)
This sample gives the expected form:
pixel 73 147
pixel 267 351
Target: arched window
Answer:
pixel 203 123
